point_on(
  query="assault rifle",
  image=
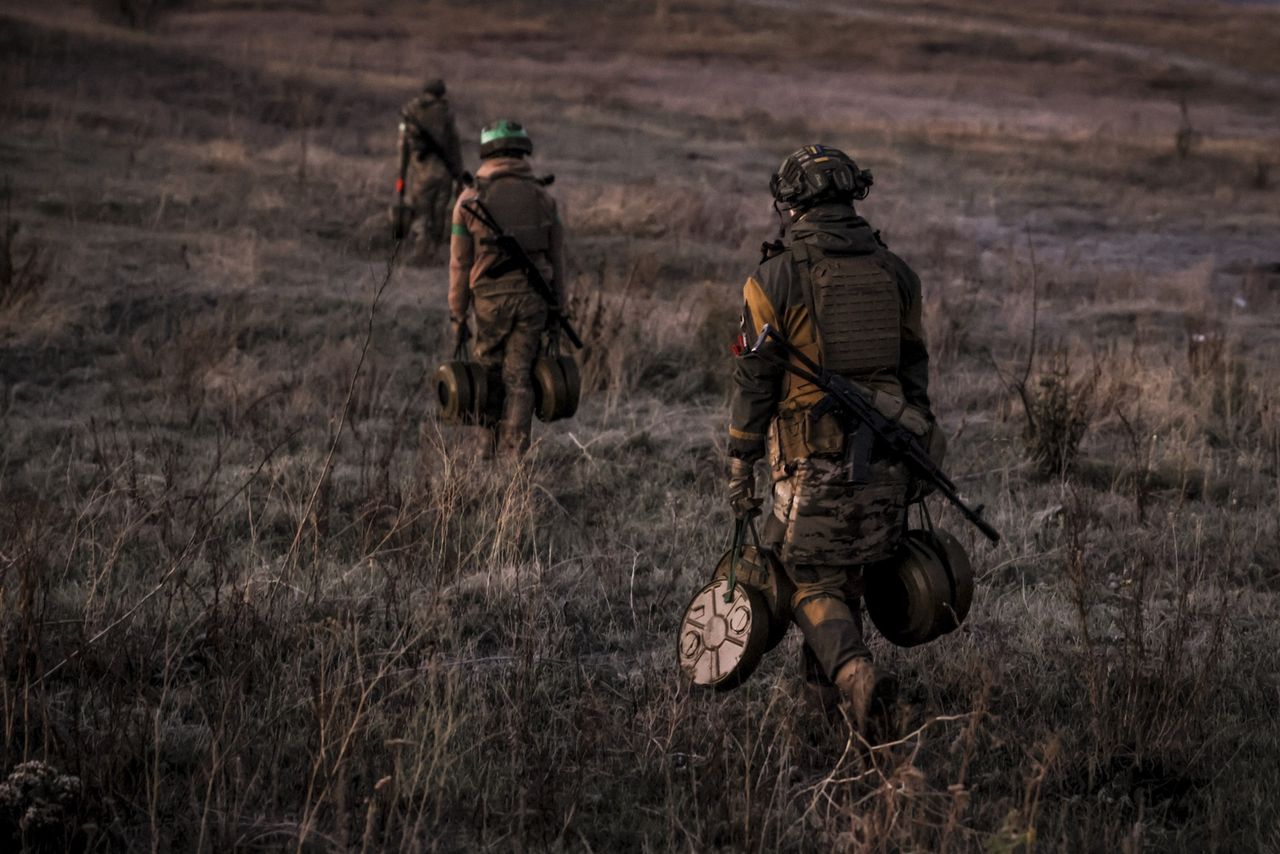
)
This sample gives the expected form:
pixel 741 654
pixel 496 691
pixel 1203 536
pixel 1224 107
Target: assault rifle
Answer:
pixel 510 247
pixel 853 405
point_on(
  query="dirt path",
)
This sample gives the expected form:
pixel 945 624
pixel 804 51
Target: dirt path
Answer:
pixel 1071 39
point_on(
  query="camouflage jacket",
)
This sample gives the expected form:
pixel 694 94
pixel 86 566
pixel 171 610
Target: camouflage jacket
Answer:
pixel 472 262
pixel 766 397
pixel 432 132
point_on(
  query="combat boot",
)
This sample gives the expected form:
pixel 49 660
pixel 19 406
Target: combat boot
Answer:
pixel 871 695
pixel 820 693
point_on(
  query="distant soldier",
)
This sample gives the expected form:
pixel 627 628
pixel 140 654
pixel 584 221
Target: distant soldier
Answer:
pixel 433 156
pixel 839 295
pixel 510 316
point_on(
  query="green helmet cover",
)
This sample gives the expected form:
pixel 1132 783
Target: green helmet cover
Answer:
pixel 505 136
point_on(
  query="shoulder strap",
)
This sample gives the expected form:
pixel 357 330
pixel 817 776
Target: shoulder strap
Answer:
pixel 803 258
pixel 432 146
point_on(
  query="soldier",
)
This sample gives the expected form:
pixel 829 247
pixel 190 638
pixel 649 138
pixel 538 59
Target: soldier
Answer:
pixel 837 293
pixel 510 316
pixel 428 129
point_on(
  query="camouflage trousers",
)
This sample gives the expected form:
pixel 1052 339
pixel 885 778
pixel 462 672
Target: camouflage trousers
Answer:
pixel 828 529
pixel 509 330
pixel 429 192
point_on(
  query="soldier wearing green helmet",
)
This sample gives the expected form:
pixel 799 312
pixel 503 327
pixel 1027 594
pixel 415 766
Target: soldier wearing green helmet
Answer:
pixel 834 291
pixel 509 315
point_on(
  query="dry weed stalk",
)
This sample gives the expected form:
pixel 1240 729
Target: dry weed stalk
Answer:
pixel 21 279
pixel 1186 137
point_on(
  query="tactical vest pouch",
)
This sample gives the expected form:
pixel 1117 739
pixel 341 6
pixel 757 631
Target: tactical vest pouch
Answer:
pixel 824 435
pixel 800 436
pixel 859 315
pixel 773 452
pixel 790 430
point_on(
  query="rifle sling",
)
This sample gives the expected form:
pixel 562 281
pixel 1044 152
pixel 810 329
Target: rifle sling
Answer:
pixel 430 145
pixel 510 263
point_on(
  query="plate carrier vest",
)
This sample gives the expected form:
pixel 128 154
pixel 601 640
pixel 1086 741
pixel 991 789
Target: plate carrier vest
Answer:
pixel 518 204
pixel 855 310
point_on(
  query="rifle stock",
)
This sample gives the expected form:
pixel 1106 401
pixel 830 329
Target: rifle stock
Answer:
pixel 854 406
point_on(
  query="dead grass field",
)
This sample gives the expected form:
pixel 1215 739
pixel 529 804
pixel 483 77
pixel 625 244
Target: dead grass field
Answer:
pixel 256 597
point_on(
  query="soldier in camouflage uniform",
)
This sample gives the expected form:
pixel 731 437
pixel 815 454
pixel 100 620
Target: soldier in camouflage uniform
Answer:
pixel 434 168
pixel 510 316
pixel 838 294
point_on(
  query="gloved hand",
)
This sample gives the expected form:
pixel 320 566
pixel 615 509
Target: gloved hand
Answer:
pixel 935 442
pixel 460 332
pixel 742 488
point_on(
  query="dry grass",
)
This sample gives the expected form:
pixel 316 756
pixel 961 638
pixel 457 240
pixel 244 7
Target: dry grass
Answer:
pixel 255 596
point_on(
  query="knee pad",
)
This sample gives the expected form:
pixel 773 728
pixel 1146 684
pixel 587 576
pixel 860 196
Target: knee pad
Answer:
pixel 819 608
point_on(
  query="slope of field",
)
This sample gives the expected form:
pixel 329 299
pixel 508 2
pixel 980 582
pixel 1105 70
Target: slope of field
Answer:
pixel 257 596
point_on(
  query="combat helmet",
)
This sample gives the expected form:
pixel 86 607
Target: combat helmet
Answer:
pixel 818 173
pixel 505 137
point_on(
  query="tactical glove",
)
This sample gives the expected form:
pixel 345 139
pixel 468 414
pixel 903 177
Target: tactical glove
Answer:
pixel 461 333
pixel 935 442
pixel 742 488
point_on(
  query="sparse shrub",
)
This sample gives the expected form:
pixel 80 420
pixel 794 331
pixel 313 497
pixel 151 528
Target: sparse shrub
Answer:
pixel 38 807
pixel 948 325
pixel 1205 342
pixel 1219 386
pixel 1059 409
pixel 600 320
pixel 678 347
pixel 1232 400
